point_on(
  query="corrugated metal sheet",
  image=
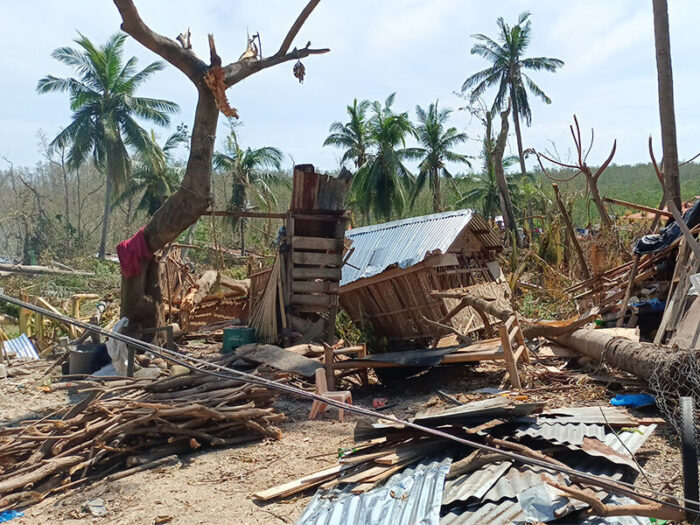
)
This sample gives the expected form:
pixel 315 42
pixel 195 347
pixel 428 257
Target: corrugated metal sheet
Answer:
pixel 610 415
pixel 474 485
pixel 412 496
pixel 505 512
pixel 633 439
pixel 22 347
pixel 572 433
pixel 499 505
pixel 406 243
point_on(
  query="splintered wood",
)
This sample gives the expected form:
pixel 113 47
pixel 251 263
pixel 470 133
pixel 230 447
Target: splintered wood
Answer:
pixel 128 424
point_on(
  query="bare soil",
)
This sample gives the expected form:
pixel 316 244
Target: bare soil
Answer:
pixel 216 486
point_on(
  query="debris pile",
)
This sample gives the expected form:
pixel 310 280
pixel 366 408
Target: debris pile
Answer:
pixel 438 480
pixel 128 424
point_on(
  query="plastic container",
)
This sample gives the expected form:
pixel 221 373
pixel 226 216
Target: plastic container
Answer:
pixel 235 337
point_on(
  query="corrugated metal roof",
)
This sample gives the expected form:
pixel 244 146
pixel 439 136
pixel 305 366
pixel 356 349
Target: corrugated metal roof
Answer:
pixel 499 506
pixel 407 242
pixel 632 439
pixel 474 485
pixel 22 347
pixel 505 512
pixel 572 433
pixel 412 496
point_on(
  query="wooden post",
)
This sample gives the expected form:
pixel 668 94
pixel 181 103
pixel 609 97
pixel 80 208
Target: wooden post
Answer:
pixel 572 232
pixel 628 291
pixel 692 243
pixel 328 365
pixel 511 365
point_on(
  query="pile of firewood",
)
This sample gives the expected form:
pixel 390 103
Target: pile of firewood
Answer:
pixel 131 424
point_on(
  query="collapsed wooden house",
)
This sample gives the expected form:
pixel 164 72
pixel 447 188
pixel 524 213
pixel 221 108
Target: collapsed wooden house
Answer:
pixel 393 267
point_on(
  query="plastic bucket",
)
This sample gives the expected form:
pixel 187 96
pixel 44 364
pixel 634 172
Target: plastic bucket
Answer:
pixel 235 337
pixel 80 361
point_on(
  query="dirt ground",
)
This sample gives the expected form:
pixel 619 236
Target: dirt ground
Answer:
pixel 216 486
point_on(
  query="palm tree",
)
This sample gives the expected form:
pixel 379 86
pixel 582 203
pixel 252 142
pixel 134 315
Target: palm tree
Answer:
pixel 155 176
pixel 507 70
pixel 353 135
pixel 436 149
pixel 483 190
pixel 246 168
pixel 381 182
pixel 105 110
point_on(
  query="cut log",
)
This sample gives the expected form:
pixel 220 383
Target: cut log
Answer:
pixel 198 292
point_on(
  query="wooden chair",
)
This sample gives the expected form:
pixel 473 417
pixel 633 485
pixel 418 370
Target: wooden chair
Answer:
pixel 514 348
pixel 319 407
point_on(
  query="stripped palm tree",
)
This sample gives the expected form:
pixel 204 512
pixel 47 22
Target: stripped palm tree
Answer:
pixel 249 178
pixel 155 176
pixel 436 144
pixel 105 109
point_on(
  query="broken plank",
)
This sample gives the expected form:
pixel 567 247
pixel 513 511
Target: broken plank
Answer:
pixel 299 485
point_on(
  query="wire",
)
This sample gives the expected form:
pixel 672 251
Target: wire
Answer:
pixel 227 373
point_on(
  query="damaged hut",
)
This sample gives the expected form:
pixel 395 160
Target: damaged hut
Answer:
pixel 393 268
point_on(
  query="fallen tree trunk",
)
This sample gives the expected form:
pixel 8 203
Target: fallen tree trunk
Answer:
pixel 23 268
pixel 530 329
pixel 643 360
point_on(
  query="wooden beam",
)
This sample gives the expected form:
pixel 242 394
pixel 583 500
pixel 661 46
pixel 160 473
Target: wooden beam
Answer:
pixel 320 259
pixel 334 274
pixel 314 300
pixel 306 287
pixel 572 232
pixel 639 207
pixel 316 243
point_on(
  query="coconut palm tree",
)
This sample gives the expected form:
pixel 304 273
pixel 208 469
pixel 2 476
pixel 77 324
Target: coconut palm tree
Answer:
pixel 436 144
pixel 382 181
pixel 247 171
pixel 353 135
pixel 507 71
pixel 105 109
pixel 154 176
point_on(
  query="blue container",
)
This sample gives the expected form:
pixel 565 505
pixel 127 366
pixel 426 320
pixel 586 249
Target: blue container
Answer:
pixel 235 337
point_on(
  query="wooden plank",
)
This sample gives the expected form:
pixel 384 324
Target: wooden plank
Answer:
pixel 320 259
pixel 326 287
pixel 246 214
pixel 314 300
pixel 299 485
pixel 316 243
pixel 511 364
pixel 639 207
pixel 333 274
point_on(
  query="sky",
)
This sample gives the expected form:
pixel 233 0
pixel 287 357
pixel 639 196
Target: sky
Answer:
pixel 416 48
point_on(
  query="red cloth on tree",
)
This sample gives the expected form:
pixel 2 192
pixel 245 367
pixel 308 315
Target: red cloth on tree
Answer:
pixel 130 253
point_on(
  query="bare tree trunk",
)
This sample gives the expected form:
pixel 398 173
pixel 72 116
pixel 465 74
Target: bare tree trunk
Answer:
pixel 105 217
pixel 518 135
pixel 141 298
pixel 600 205
pixel 572 232
pixel 666 105
pixel 437 196
pixel 497 158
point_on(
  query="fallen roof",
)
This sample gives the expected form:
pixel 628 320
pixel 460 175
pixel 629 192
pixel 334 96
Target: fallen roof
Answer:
pixel 407 242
